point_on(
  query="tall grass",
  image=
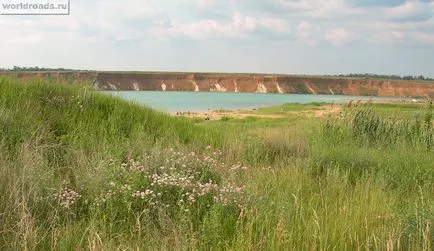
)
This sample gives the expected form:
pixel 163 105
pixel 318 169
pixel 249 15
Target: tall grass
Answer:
pixel 81 170
pixel 368 127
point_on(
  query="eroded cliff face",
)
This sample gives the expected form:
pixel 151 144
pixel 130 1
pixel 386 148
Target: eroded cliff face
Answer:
pixel 262 84
pixel 255 83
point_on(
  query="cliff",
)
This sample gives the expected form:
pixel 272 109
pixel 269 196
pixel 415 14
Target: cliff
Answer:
pixel 222 82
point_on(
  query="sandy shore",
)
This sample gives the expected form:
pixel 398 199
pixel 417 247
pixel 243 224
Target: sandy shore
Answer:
pixel 241 114
pixel 324 110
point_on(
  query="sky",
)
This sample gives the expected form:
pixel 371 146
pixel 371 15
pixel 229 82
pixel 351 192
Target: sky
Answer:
pixel 263 36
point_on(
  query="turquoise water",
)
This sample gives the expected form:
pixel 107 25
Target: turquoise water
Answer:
pixel 202 101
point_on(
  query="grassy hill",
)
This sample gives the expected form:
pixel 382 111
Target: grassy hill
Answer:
pixel 82 170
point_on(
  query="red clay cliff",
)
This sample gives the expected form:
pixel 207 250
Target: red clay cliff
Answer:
pixel 227 82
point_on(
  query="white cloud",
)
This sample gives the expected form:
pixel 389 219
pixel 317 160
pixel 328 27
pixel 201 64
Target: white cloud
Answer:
pixel 410 10
pixel 338 36
pixel 308 33
pixel 206 3
pixel 126 9
pixel 244 23
pixel 277 25
pixel 426 38
pixel 239 26
pixel 203 29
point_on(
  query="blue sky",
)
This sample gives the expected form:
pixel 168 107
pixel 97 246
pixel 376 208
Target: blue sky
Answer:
pixel 273 36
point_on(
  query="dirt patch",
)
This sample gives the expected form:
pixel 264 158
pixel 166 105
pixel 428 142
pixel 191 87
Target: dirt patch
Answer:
pixel 242 114
pixel 329 109
pixel 215 115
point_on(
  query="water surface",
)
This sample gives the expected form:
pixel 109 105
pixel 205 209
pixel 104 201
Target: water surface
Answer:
pixel 202 101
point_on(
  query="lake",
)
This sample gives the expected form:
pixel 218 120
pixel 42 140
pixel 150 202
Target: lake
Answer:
pixel 202 101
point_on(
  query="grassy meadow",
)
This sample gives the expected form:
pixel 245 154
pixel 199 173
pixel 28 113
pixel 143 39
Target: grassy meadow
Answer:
pixel 80 170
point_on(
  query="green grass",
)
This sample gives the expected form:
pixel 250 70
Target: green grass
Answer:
pixel 401 110
pixel 290 107
pixel 81 170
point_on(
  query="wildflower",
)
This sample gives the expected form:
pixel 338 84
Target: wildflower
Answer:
pixel 125 187
pixel 191 198
pixel 111 162
pixel 68 197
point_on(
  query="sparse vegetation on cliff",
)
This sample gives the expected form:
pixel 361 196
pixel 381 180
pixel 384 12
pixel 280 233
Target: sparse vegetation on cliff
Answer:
pixel 380 76
pixel 36 68
pixel 81 170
